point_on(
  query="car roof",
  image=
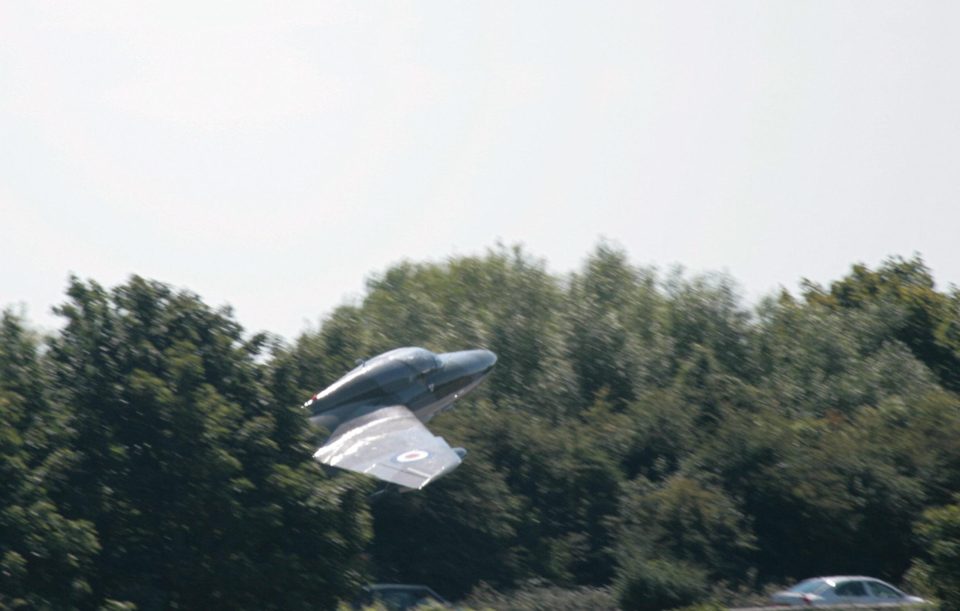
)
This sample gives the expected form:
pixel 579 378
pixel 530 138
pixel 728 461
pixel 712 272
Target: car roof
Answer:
pixel 835 579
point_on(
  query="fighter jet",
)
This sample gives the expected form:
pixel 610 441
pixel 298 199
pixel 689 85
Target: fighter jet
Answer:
pixel 377 413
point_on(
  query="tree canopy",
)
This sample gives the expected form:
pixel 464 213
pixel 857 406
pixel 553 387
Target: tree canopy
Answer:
pixel 643 431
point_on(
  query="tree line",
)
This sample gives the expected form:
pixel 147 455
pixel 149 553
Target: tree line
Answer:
pixel 643 432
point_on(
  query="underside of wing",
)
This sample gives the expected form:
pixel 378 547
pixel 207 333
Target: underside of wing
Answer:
pixel 389 443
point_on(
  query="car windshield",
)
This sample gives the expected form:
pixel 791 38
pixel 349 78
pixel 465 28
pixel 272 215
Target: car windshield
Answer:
pixel 810 586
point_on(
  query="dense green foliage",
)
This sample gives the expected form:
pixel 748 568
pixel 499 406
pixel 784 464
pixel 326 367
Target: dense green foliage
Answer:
pixel 642 434
pixel 940 530
pixel 650 585
pixel 45 558
pixel 148 462
pixel 541 597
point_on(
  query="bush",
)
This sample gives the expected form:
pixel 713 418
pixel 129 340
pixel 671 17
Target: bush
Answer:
pixel 652 585
pixel 535 597
pixel 939 530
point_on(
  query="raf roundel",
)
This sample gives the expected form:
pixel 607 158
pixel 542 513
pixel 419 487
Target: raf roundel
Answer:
pixel 412 456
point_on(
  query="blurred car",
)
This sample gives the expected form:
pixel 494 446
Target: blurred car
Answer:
pixel 843 590
pixel 398 596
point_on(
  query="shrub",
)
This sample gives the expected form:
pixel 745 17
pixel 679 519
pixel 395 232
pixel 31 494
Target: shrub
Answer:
pixel 653 585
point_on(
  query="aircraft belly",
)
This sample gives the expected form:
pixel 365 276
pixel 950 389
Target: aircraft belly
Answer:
pixel 425 413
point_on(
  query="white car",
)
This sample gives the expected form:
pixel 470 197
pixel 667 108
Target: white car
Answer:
pixel 843 590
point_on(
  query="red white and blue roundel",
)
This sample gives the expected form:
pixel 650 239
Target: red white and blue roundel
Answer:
pixel 412 456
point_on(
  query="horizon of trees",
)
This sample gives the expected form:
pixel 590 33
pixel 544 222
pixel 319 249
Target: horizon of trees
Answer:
pixel 642 432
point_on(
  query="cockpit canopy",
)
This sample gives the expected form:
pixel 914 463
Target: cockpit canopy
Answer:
pixel 420 359
pixel 385 378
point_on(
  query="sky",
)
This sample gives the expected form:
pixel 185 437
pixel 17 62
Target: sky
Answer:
pixel 273 156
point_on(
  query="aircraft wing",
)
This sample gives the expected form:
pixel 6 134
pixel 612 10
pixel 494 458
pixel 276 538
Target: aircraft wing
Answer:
pixel 389 443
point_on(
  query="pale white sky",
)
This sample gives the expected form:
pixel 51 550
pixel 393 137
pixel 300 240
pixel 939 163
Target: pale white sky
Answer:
pixel 273 155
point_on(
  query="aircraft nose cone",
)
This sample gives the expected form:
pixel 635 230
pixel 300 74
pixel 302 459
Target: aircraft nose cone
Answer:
pixel 487 359
pixel 468 362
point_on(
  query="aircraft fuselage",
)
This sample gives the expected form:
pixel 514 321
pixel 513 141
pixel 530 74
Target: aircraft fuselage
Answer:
pixel 424 382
